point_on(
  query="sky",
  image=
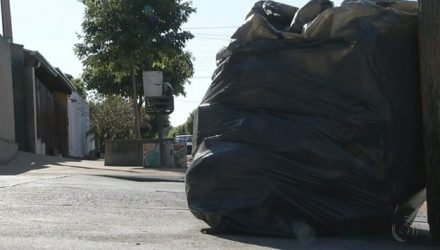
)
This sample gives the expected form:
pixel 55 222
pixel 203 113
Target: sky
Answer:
pixel 51 27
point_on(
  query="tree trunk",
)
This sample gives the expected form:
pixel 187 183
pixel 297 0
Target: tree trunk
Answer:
pixel 137 126
pixel 140 103
pixel 429 16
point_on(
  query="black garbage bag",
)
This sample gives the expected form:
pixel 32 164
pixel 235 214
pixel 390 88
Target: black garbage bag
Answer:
pixel 312 134
pixel 278 14
pixel 308 13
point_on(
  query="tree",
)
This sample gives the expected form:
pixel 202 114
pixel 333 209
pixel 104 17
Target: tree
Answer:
pixel 430 69
pixel 111 118
pixel 189 124
pixel 151 130
pixel 122 38
pixel 80 87
pixel 184 129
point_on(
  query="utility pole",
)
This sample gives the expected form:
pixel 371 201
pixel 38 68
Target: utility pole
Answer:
pixel 429 32
pixel 161 143
pixel 6 20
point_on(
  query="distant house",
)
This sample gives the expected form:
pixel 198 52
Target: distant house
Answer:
pixel 41 99
pixel 40 110
pixel 81 139
pixel 48 116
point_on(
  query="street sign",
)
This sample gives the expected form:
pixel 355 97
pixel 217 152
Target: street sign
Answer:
pixel 153 83
pixel 163 105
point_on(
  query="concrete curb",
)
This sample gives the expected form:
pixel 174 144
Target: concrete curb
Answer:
pixel 178 179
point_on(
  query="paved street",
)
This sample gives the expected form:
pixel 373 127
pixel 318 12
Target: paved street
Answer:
pixel 54 203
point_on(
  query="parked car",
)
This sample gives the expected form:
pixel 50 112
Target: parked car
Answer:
pixel 187 139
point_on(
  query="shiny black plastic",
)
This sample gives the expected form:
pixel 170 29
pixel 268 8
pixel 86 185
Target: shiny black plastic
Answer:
pixel 316 133
pixel 308 13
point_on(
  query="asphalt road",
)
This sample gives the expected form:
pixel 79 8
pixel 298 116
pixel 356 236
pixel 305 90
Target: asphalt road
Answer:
pixel 49 205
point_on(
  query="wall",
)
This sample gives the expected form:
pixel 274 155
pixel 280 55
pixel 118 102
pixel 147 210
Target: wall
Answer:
pixel 8 151
pixel 33 145
pixel 61 123
pixel 8 147
pixel 7 126
pixel 80 140
pixel 45 118
pixel 20 98
pixel 126 152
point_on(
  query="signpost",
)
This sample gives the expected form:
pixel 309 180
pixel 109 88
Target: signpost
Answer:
pixel 159 100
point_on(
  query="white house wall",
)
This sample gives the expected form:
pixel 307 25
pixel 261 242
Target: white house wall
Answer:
pixel 80 142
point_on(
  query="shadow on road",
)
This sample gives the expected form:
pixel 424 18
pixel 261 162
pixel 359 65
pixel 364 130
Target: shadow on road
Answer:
pixel 147 179
pixel 25 162
pixel 374 242
pixel 32 164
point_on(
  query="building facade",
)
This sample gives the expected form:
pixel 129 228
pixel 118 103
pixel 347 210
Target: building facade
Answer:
pixel 40 110
pixel 8 147
pixel 81 137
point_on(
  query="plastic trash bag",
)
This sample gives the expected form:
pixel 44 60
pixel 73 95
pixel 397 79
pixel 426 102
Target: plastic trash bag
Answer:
pixel 312 134
pixel 278 14
pixel 308 13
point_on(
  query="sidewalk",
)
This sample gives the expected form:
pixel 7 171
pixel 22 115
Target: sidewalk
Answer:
pixel 40 165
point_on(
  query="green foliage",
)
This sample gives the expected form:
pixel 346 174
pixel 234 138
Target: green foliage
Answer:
pixel 143 34
pixel 184 129
pixel 189 124
pixel 111 119
pixel 80 87
pixel 152 125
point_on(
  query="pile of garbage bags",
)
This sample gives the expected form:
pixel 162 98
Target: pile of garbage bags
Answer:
pixel 312 124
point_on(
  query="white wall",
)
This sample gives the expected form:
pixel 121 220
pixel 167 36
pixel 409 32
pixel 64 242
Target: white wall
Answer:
pixel 80 143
